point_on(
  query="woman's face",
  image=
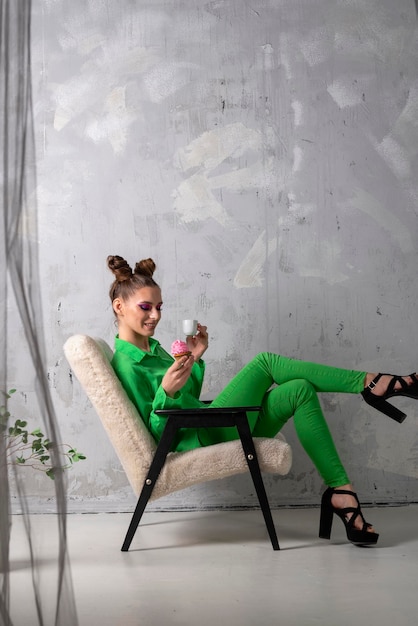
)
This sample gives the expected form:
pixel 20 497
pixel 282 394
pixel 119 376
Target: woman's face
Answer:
pixel 139 315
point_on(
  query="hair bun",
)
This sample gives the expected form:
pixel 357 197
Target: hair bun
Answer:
pixel 146 267
pixel 120 268
pixel 126 282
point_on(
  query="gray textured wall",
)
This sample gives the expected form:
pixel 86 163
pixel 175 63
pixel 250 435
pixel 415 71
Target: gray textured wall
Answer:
pixel 264 153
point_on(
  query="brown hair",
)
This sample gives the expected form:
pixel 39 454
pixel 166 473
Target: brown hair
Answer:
pixel 127 281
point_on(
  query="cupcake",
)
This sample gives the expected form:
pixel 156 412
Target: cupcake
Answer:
pixel 179 348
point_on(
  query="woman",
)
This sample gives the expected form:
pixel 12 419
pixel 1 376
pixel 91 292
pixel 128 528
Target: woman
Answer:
pixel 154 380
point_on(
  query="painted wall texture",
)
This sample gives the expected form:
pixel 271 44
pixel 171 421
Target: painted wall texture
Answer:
pixel 265 154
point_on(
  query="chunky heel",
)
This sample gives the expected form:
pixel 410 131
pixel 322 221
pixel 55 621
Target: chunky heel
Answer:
pixel 327 513
pixel 384 407
pixel 380 402
pixel 358 537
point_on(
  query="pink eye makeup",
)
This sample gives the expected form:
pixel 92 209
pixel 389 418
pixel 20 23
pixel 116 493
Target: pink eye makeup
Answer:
pixel 147 306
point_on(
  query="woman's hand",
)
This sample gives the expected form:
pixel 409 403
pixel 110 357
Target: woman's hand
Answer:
pixel 177 375
pixel 199 343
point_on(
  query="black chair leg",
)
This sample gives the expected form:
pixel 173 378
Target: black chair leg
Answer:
pixel 254 467
pixel 154 471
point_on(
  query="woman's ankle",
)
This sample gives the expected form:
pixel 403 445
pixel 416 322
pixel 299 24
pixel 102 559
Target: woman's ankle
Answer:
pixel 368 379
pixel 347 487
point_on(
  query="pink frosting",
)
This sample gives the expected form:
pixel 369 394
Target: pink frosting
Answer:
pixel 179 347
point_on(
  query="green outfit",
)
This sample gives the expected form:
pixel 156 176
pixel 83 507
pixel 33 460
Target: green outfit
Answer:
pixel 284 388
pixel 141 373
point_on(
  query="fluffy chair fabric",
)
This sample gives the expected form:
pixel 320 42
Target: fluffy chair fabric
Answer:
pixel 90 361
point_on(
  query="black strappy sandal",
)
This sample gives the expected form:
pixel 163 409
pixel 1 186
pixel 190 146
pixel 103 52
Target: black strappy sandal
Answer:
pixel 379 402
pixel 363 537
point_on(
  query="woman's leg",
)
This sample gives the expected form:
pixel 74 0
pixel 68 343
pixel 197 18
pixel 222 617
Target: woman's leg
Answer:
pixel 298 382
pixel 266 369
pixel 298 398
pixel 251 384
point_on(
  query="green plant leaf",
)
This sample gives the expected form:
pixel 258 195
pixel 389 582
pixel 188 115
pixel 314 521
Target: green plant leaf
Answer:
pixel 75 456
pixel 21 460
pixel 7 394
pixel 17 429
pixel 37 433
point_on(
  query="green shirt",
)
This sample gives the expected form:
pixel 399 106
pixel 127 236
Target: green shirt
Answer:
pixel 141 373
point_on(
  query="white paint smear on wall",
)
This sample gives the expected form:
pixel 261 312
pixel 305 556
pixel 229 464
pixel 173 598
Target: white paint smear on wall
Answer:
pixel 297 212
pixel 346 93
pixel 395 156
pixel 213 147
pixel 194 198
pixel 400 147
pixel 316 46
pixel 370 35
pixel 297 107
pixel 368 204
pixel 284 56
pixel 268 56
pixel 83 40
pixel 312 261
pixel 99 88
pixel 113 126
pixel 165 79
pixel 250 272
pixel 409 115
pixel 297 158
pixel 73 96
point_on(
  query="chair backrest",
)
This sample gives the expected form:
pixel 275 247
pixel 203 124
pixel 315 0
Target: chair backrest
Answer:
pixel 90 361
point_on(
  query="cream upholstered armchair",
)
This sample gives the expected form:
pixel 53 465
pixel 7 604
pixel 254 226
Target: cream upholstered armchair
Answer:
pixel 154 471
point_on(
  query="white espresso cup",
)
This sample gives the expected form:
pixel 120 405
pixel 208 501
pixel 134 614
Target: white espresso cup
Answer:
pixel 189 327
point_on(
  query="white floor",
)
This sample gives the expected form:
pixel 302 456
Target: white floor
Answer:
pixel 205 568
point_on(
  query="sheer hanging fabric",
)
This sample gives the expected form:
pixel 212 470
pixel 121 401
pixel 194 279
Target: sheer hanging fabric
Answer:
pixel 19 271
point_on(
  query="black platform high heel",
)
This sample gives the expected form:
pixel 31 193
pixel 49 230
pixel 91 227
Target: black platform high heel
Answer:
pixel 361 537
pixel 379 402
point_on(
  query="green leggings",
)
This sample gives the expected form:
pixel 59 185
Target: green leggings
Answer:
pixel 298 383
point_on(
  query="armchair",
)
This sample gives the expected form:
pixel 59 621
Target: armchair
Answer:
pixel 152 470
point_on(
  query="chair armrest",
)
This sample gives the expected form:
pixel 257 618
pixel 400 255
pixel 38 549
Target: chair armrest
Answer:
pixel 206 418
pixel 222 410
